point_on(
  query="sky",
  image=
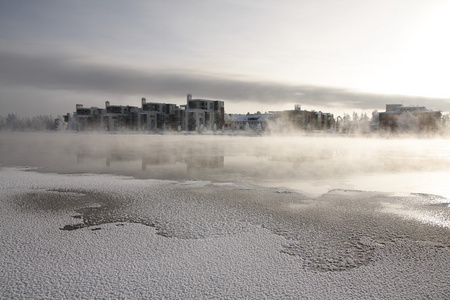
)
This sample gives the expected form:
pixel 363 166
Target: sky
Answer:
pixel 333 56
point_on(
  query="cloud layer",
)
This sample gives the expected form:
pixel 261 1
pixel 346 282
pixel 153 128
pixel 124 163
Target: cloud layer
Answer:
pixel 72 73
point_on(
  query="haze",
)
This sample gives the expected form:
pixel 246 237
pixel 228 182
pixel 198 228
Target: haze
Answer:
pixel 308 164
pixel 334 56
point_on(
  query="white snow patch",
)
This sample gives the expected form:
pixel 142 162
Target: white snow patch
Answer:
pixel 38 260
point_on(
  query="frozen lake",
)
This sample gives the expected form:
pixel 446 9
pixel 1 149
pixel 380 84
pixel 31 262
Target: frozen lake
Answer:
pixel 193 216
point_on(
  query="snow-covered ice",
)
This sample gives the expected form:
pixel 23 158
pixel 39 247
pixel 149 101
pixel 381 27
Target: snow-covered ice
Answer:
pixel 194 240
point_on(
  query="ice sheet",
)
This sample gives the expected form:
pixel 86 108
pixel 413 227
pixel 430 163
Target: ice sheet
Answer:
pixel 191 240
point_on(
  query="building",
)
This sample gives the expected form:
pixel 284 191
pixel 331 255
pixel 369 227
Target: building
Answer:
pixel 158 116
pixel 118 117
pixel 409 118
pixel 298 119
pixel 88 118
pixel 197 114
pixel 287 120
pixel 255 122
pixel 204 114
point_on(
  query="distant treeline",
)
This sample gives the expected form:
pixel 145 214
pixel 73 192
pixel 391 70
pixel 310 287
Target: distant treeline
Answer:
pixel 14 122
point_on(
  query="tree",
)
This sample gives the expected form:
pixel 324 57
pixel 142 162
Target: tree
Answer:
pixel 37 123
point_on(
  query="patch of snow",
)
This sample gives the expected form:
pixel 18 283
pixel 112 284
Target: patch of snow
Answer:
pixel 202 241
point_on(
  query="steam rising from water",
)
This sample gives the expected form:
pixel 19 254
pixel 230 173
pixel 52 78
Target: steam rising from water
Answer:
pixel 313 164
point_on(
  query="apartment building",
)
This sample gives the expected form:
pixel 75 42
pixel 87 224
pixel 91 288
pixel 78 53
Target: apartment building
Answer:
pixel 256 122
pixel 197 114
pixel 413 118
pixel 303 119
pixel 204 114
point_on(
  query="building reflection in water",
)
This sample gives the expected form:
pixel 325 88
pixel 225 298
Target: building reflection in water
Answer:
pixel 195 160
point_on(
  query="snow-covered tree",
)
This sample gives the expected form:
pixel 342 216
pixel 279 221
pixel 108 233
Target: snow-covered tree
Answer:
pixel 37 123
pixel 60 124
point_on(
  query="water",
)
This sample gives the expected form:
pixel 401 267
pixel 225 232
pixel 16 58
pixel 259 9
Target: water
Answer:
pixel 312 164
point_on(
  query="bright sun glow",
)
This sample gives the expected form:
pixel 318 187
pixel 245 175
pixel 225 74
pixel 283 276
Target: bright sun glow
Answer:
pixel 423 68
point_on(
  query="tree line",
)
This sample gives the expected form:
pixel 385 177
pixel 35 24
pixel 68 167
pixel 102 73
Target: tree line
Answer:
pixel 14 122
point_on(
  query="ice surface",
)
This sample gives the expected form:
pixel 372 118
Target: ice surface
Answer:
pixel 199 239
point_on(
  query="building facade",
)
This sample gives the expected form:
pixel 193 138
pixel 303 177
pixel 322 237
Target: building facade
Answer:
pixel 305 120
pixel 197 114
pixel 204 114
pixel 409 118
pixel 256 122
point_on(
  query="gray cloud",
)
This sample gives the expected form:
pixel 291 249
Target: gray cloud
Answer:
pixel 46 72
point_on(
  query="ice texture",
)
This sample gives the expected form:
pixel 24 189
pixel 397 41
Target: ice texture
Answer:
pixel 151 239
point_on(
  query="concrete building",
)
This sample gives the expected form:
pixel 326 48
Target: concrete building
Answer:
pixel 118 117
pixel 88 118
pixel 296 119
pixel 255 122
pixel 304 120
pixel 158 116
pixel 204 114
pixel 409 118
pixel 197 114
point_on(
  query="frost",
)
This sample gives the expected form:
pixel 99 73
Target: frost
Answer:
pixel 189 240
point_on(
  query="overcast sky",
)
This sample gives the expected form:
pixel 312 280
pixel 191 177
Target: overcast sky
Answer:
pixel 336 56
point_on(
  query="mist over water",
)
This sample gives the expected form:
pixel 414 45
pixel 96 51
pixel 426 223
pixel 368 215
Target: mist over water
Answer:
pixel 313 164
pixel 325 216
